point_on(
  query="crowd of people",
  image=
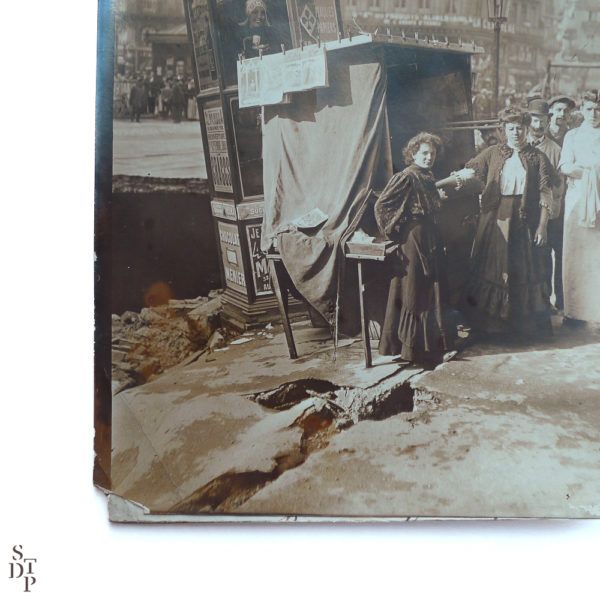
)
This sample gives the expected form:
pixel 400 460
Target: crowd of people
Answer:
pixel 168 98
pixel 537 237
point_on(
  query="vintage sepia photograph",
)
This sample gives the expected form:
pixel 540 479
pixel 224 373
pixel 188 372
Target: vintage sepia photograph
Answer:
pixel 347 259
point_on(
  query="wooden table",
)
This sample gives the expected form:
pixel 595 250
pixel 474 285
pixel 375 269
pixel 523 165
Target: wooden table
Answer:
pixel 359 252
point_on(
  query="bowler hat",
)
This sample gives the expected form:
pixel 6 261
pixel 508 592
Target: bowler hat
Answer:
pixel 538 107
pixel 565 99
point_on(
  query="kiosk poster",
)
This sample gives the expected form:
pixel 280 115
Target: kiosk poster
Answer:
pixel 202 43
pixel 313 21
pixel 231 253
pixel 217 148
pixel 260 268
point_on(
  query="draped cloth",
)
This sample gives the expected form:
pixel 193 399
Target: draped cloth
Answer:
pixel 325 150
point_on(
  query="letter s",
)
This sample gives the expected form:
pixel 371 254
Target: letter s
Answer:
pixel 18 552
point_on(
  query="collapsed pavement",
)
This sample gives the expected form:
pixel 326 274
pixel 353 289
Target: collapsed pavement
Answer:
pixel 500 431
pixel 145 344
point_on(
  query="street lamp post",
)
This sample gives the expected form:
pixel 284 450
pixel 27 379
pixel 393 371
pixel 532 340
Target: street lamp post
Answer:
pixel 496 16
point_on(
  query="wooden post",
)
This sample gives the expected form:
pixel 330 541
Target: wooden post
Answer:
pixel 282 301
pixel 364 323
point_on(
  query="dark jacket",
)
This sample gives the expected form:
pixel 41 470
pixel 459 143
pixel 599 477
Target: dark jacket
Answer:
pixel 138 97
pixel 488 167
pixel 178 97
pixel 269 38
pixel 409 195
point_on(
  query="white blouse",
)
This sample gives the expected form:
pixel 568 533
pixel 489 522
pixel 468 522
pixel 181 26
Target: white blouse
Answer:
pixel 512 180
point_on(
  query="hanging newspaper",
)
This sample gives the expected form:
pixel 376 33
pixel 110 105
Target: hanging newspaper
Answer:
pixel 305 69
pixel 264 81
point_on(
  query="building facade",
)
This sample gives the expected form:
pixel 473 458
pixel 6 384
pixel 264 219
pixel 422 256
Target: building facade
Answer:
pixel 578 37
pixel 135 21
pixel 527 38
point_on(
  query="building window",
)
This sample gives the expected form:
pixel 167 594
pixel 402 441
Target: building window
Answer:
pixel 424 4
pixel 400 3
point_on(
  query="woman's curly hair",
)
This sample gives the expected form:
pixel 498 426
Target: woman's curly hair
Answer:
pixel 413 145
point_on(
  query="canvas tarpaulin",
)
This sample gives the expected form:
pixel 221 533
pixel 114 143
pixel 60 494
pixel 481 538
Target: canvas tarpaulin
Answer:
pixel 325 150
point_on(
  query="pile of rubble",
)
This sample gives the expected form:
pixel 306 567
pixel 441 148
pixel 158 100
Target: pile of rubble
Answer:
pixel 147 343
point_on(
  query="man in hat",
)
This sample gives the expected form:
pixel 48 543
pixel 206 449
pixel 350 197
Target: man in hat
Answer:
pixel 138 100
pixel 560 109
pixel 539 110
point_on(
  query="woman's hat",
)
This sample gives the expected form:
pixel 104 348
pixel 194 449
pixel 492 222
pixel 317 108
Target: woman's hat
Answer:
pixel 514 115
pixel 254 4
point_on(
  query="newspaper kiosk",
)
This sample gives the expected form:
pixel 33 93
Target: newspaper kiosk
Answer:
pixel 306 125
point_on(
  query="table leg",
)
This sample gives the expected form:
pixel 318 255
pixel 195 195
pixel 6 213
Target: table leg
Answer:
pixel 364 323
pixel 283 308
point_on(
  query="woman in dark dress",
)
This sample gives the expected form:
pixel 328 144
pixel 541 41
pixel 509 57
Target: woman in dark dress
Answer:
pixel 418 325
pixel 508 290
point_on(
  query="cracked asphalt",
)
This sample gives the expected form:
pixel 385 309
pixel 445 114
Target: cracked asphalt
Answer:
pixel 501 431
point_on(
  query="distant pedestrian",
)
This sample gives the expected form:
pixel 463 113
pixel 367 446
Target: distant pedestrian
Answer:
pixel 580 162
pixel 190 94
pixel 178 101
pixel 138 100
pixel 166 95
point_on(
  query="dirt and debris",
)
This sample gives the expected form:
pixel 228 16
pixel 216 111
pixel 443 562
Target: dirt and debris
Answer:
pixel 157 338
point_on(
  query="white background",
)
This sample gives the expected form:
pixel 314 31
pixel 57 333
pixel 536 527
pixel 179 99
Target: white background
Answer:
pixel 48 503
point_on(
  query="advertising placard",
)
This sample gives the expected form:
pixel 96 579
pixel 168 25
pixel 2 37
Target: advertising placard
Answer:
pixel 231 253
pixel 258 260
pixel 217 148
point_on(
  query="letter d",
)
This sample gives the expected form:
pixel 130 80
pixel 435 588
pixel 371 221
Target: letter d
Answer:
pixel 12 570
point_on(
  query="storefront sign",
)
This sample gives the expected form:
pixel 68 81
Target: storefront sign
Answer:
pixel 258 260
pixel 231 254
pixel 446 21
pixel 217 149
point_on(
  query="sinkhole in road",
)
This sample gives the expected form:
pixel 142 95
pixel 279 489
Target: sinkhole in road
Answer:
pixel 333 408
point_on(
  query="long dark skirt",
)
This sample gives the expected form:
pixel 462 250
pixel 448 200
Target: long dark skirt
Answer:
pixel 418 324
pixel 508 290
